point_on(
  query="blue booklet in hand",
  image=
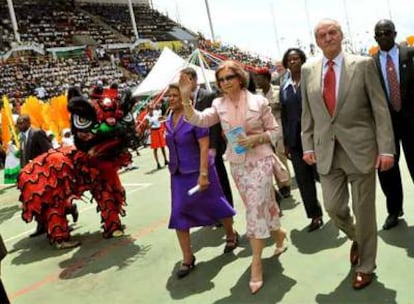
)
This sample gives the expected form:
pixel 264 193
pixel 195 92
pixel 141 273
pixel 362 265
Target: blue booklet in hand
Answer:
pixel 233 135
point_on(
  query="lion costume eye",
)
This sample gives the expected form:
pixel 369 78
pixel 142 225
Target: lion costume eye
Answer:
pixel 128 117
pixel 81 122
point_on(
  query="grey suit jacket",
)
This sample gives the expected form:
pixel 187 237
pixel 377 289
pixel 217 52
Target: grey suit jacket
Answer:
pixel 361 123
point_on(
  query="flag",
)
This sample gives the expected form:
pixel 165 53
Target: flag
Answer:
pixel 7 124
pixel 34 108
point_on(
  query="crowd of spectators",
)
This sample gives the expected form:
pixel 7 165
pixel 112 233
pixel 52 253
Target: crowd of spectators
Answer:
pixel 140 62
pixel 6 37
pixel 150 23
pixel 53 24
pixel 46 77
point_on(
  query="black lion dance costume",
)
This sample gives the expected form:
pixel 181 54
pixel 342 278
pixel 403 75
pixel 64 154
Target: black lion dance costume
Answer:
pixel 103 128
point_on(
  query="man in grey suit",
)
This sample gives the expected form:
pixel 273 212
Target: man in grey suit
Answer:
pixel 347 133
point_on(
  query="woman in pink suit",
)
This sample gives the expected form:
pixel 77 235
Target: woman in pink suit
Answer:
pixel 251 157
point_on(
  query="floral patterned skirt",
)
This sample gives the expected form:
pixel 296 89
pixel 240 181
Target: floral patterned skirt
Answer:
pixel 254 181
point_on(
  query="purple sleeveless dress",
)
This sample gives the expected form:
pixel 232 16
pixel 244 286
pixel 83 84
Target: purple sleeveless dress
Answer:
pixel 203 208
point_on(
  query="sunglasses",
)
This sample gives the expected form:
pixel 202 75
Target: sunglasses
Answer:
pixel 384 33
pixel 227 78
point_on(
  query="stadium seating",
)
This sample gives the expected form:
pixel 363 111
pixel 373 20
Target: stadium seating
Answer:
pixel 59 23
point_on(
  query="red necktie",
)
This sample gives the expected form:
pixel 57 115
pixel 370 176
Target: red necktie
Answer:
pixel 393 85
pixel 329 88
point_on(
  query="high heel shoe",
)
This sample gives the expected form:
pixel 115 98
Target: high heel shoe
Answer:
pixel 185 269
pixel 281 245
pixel 231 244
pixel 256 276
pixel 255 286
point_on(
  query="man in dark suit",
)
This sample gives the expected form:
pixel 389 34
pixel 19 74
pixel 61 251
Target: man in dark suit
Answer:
pixel 347 133
pixel 34 142
pixel 393 58
pixel 202 99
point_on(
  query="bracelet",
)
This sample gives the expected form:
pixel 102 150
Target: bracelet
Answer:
pixel 204 173
pixel 261 139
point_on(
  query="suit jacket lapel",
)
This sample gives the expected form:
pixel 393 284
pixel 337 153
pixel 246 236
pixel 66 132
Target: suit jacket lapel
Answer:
pixel 345 79
pixel 378 64
pixel 28 142
pixel 180 123
pixel 318 83
pixel 169 123
pixel 171 129
pixel 403 56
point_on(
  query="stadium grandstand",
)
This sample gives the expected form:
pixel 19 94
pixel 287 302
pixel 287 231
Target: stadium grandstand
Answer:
pixel 47 46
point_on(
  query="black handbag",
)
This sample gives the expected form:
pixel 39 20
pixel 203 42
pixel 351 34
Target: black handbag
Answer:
pixel 3 249
pixel 3 252
pixel 4 299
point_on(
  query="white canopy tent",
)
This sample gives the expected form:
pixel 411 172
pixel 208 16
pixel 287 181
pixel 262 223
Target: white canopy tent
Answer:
pixel 166 70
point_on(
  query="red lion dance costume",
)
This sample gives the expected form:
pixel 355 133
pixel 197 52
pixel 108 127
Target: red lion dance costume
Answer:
pixel 104 129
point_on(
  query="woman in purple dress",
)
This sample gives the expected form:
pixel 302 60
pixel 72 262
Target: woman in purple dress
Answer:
pixel 191 165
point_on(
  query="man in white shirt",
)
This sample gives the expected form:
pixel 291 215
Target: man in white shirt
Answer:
pixel 154 117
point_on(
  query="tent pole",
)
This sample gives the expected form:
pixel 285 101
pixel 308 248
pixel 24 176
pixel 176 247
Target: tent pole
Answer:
pixel 213 37
pixel 203 68
pixel 13 20
pixel 134 24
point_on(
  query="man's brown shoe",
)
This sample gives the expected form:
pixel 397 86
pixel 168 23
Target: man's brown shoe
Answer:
pixel 362 280
pixel 353 254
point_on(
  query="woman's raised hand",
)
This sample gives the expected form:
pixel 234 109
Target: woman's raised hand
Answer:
pixel 185 86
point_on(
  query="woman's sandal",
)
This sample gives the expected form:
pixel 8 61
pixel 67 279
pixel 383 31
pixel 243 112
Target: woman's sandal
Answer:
pixel 232 243
pixel 281 248
pixel 255 286
pixel 185 268
pixel 256 276
pixel 279 251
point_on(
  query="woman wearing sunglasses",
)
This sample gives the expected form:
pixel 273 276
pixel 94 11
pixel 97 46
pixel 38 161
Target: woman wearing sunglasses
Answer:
pixel 251 129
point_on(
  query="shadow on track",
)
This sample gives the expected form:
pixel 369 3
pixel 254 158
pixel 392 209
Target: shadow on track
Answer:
pixel 200 279
pixel 8 212
pixel 276 285
pixel 94 255
pixel 97 254
pixel 401 236
pixel 326 237
pixel 375 293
